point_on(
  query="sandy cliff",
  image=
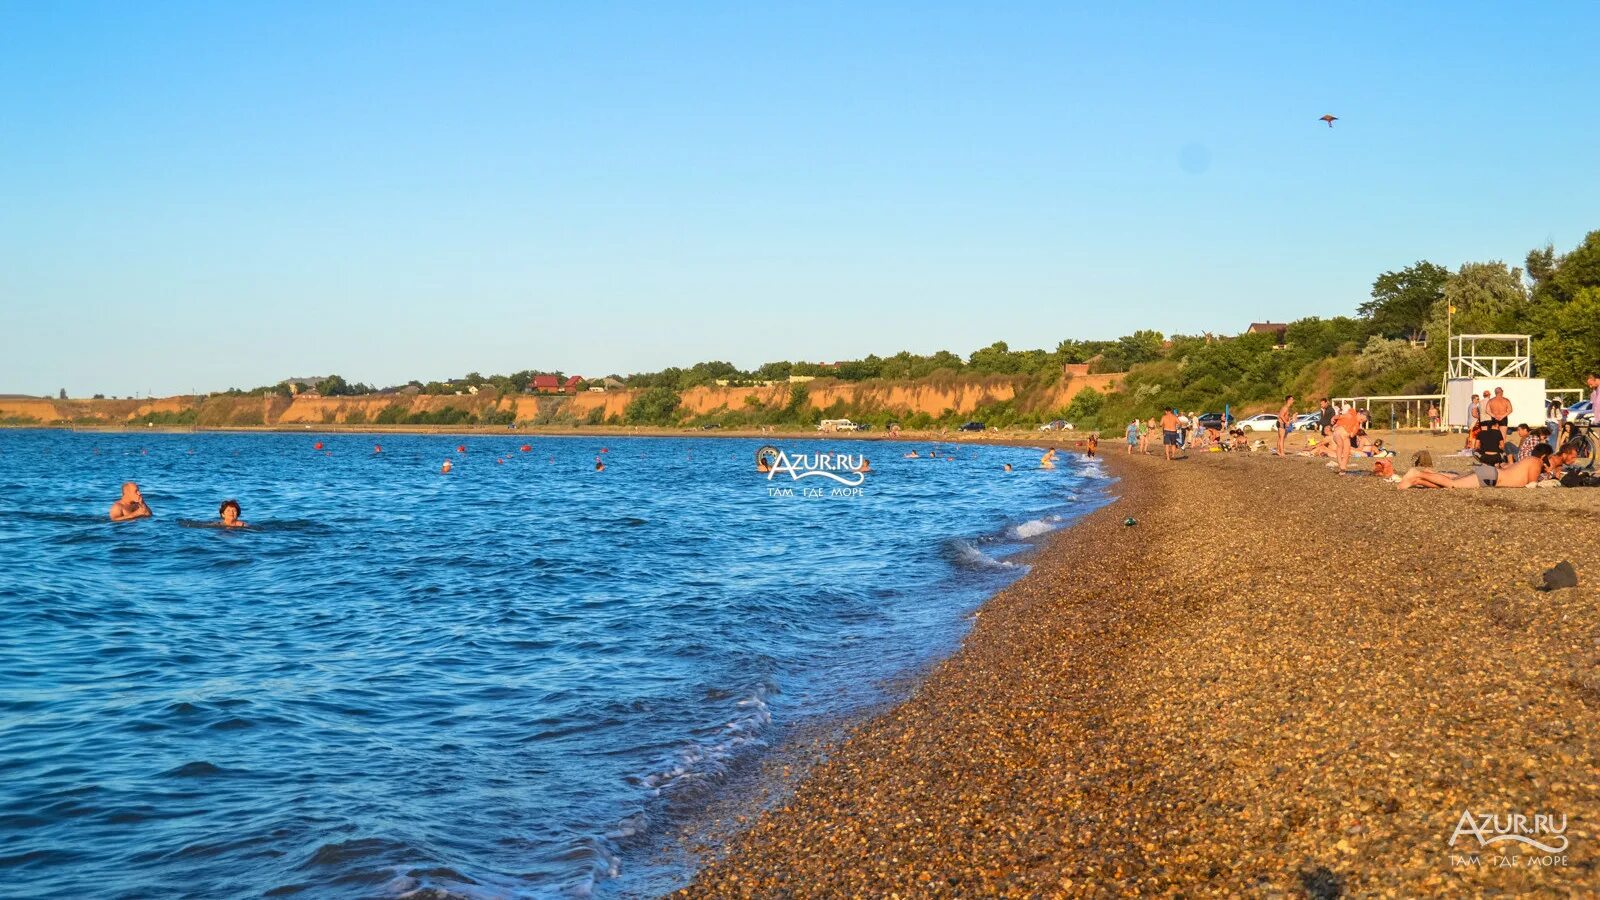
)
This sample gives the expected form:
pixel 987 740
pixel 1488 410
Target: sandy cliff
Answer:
pixel 932 397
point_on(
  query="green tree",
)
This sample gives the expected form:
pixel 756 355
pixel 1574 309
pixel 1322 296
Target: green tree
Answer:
pixel 655 406
pixel 1402 301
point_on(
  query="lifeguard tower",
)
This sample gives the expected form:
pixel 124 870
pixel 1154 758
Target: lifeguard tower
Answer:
pixel 1483 362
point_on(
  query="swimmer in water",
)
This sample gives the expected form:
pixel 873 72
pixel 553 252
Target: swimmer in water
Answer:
pixel 912 455
pixel 762 466
pixel 1008 467
pixel 598 465
pixel 445 469
pixel 229 511
pixel 1048 460
pixel 866 465
pixel 131 506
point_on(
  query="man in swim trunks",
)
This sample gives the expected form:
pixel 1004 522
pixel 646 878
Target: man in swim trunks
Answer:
pixel 1524 471
pixel 131 506
pixel 1285 416
pixel 1499 414
pixel 1169 434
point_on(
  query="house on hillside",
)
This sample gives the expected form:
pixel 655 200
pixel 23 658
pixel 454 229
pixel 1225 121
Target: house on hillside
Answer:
pixel 553 384
pixel 1070 370
pixel 303 387
pixel 1276 329
pixel 611 384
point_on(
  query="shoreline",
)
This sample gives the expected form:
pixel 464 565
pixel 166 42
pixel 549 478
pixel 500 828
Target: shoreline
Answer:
pixel 770 778
pixel 1197 705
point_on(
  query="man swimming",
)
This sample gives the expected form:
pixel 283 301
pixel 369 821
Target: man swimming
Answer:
pixel 229 512
pixel 131 506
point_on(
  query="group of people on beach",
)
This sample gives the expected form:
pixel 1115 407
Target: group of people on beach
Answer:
pixel 1504 456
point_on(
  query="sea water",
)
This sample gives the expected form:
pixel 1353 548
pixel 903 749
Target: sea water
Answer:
pixel 505 681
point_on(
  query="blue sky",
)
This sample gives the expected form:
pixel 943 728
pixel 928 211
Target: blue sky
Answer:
pixel 198 196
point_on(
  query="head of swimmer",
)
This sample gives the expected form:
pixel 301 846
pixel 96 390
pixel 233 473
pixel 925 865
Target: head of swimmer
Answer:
pixel 229 513
pixel 130 494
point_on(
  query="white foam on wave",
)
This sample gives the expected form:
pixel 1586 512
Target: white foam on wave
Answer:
pixel 1034 527
pixel 966 555
pixel 709 758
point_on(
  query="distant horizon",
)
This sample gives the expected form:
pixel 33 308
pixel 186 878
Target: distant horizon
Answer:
pixel 228 196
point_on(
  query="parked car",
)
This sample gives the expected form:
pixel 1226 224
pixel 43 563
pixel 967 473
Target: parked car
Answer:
pixel 972 426
pixel 711 427
pixel 1304 422
pixel 1581 412
pixel 863 427
pixel 1212 420
pixel 1055 425
pixel 838 425
pixel 1260 422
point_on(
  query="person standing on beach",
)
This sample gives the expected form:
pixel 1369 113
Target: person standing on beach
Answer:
pixel 1133 435
pixel 1345 427
pixel 131 505
pixel 1285 416
pixel 1169 434
pixel 1433 417
pixel 1499 407
pixel 1324 417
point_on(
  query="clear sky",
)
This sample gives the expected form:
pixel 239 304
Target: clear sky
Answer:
pixel 206 195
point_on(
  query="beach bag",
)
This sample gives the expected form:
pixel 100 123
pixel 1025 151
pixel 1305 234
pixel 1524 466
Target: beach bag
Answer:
pixel 1580 479
pixel 1423 458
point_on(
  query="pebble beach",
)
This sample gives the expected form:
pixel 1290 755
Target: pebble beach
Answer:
pixel 1277 682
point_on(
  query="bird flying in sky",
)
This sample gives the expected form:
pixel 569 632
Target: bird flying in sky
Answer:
pixel 1330 120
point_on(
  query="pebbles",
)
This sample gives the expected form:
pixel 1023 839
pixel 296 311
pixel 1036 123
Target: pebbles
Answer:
pixel 1281 682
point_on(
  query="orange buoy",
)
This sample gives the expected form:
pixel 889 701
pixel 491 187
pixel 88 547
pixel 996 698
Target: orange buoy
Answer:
pixel 526 447
pixel 377 448
pixel 461 449
pixel 605 450
pixel 317 446
pixel 501 460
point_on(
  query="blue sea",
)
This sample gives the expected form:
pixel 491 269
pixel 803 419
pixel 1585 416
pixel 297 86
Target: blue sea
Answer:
pixel 514 680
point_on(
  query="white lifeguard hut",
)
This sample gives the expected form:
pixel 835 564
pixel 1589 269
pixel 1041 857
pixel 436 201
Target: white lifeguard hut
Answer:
pixel 1483 362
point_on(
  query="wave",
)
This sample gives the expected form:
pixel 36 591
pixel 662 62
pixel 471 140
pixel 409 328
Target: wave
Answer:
pixel 965 554
pixel 1034 527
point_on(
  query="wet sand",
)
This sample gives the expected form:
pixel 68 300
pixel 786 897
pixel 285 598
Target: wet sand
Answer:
pixel 1280 681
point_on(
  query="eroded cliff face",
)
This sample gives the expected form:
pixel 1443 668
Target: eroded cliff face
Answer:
pixel 934 398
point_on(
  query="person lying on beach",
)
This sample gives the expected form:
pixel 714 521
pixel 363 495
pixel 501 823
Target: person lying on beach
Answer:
pixel 229 513
pixel 131 505
pixel 1511 475
pixel 1427 478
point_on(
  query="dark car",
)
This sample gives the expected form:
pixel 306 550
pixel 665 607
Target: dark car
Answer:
pixel 711 427
pixel 1212 420
pixel 972 426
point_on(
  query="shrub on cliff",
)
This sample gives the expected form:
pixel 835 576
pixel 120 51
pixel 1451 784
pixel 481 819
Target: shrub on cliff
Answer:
pixel 655 406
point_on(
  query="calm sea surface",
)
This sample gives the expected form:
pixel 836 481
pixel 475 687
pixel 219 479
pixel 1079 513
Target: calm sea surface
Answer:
pixel 501 682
